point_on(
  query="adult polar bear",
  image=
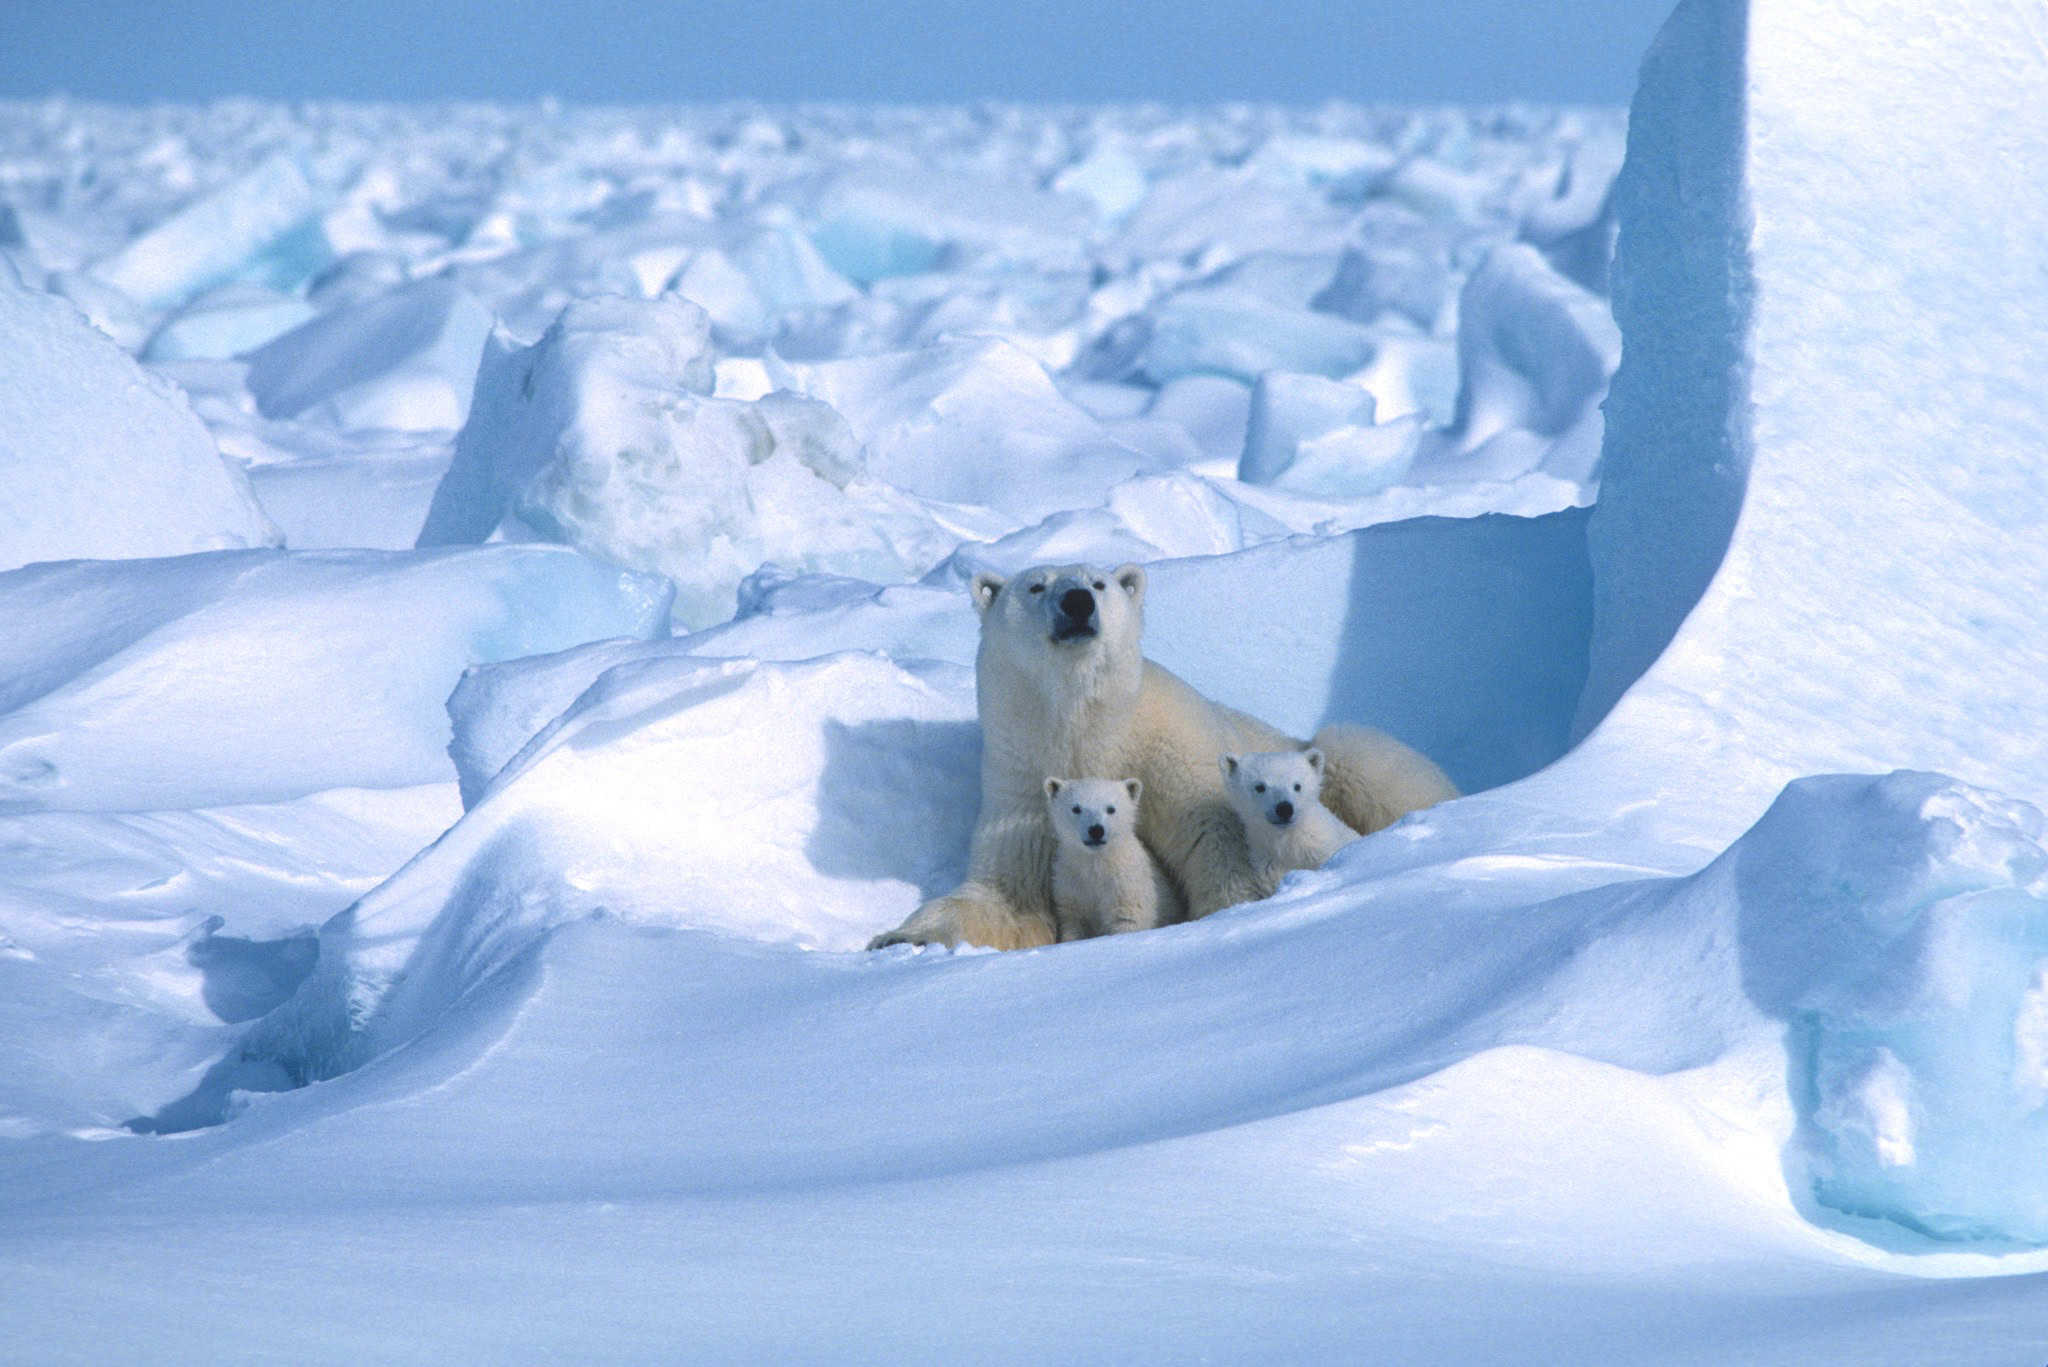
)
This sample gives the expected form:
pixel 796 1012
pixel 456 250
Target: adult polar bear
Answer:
pixel 1064 690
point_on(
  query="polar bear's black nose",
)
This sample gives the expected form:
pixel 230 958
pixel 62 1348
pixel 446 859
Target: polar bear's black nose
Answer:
pixel 1283 811
pixel 1096 834
pixel 1078 604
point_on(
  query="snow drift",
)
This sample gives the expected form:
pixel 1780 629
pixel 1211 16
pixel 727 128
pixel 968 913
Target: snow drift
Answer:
pixel 185 685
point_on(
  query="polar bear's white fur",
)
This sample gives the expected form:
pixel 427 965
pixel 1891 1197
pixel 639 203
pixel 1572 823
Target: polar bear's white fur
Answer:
pixel 1104 880
pixel 1279 798
pixel 1063 688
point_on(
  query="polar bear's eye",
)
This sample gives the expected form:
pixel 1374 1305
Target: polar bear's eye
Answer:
pixel 1109 811
pixel 1297 787
pixel 1077 811
pixel 1100 587
pixel 1038 588
pixel 1258 787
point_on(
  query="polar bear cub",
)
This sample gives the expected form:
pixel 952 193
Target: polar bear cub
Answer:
pixel 1104 880
pixel 1279 797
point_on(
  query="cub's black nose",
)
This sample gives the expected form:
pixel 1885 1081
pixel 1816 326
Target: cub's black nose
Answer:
pixel 1284 810
pixel 1077 603
pixel 1096 833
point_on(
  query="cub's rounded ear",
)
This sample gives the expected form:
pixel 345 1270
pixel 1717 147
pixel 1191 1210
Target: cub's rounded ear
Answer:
pixel 986 587
pixel 1228 764
pixel 1052 787
pixel 1133 787
pixel 1314 758
pixel 1131 579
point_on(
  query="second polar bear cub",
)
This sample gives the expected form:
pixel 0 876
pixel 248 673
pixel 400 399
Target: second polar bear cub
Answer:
pixel 1279 797
pixel 1104 880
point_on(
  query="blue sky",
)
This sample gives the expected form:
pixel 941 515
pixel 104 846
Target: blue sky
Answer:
pixel 634 51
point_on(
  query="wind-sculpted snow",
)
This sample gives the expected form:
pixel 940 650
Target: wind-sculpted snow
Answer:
pixel 160 684
pixel 1817 321
pixel 1821 485
pixel 1491 697
pixel 1910 960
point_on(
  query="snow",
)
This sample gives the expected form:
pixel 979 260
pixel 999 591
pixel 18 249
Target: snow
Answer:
pixel 1535 354
pixel 1225 332
pixel 604 435
pixel 1306 432
pixel 975 421
pixel 1910 966
pixel 405 360
pixel 226 322
pixel 97 458
pixel 145 685
pixel 385 930
pixel 253 228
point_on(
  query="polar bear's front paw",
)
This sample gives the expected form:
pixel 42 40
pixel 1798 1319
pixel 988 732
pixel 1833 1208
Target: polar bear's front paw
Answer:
pixel 910 935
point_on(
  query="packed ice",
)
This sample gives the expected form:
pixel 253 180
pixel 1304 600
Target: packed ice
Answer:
pixel 485 640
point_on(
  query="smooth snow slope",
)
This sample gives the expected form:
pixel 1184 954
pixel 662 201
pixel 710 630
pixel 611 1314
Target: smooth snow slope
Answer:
pixel 1822 241
pixel 98 457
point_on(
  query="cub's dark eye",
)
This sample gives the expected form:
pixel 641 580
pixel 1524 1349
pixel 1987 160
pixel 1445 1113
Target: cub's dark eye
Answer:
pixel 1077 811
pixel 1038 588
pixel 1111 811
pixel 1099 586
pixel 1297 787
pixel 1258 787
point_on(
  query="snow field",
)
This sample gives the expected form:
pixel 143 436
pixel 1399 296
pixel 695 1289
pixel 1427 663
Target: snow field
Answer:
pixel 1674 1044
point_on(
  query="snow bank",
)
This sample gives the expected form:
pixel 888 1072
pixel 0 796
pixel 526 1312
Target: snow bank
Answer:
pixel 99 458
pixel 1465 637
pixel 1573 224
pixel 1821 503
pixel 1408 968
pixel 1410 279
pixel 752 283
pixel 406 359
pixel 1675 458
pixel 1225 213
pixel 1614 1027
pixel 134 946
pixel 604 435
pixel 841 790
pixel 150 684
pixel 1900 927
pixel 1810 326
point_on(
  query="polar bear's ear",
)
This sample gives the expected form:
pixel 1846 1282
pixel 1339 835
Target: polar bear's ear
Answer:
pixel 1134 787
pixel 1052 787
pixel 1228 764
pixel 986 587
pixel 1315 759
pixel 1131 579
